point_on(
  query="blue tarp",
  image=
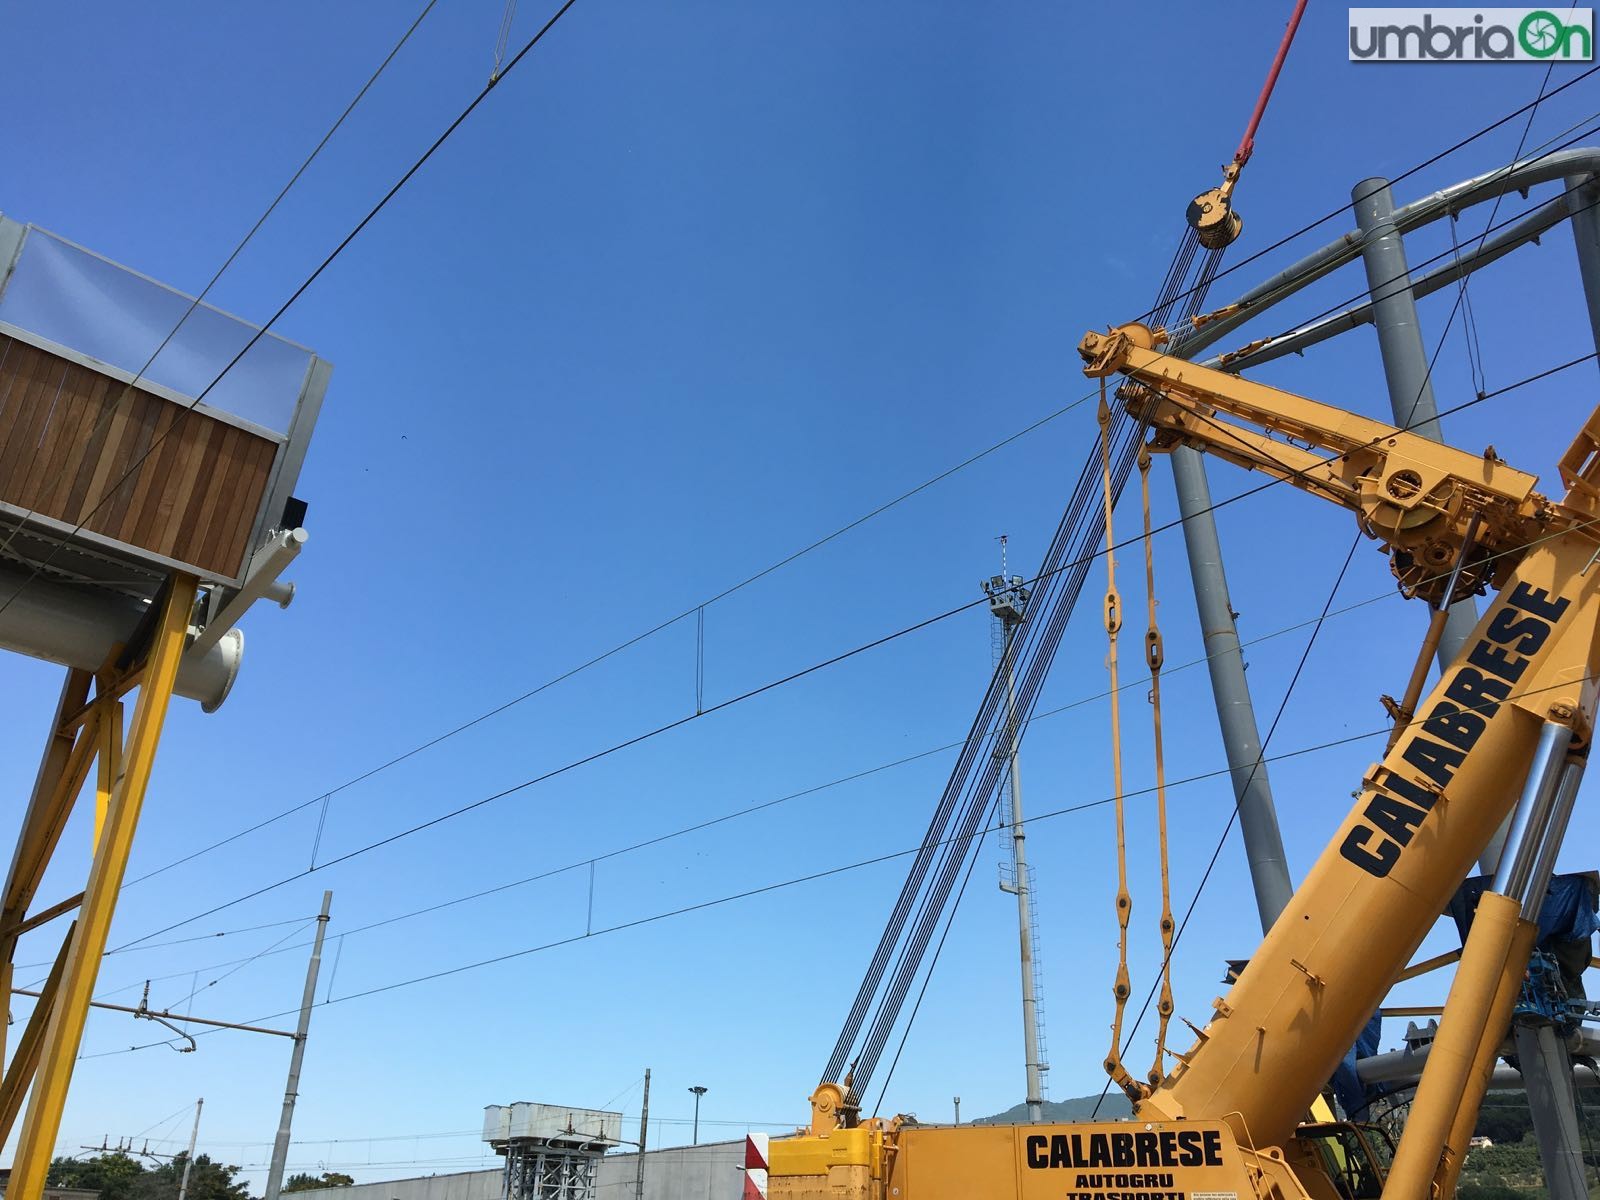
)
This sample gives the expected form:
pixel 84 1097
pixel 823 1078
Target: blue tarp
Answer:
pixel 1353 1098
pixel 1567 914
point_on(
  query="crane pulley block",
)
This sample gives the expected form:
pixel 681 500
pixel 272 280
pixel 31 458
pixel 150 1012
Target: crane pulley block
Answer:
pixel 1425 501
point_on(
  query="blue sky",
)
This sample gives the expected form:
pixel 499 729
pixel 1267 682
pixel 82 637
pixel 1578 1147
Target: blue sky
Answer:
pixel 697 285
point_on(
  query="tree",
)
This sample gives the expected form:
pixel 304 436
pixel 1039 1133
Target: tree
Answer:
pixel 119 1176
pixel 114 1175
pixel 208 1180
pixel 305 1183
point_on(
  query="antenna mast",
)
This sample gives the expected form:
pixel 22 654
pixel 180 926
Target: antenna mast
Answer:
pixel 1008 602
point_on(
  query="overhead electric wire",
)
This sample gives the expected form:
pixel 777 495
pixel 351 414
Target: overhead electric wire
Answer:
pixel 1452 252
pixel 1233 811
pixel 551 872
pixel 1388 594
pixel 1036 641
pixel 236 968
pixel 965 606
pixel 1411 409
pixel 964 797
pixel 261 332
pixel 1082 562
pixel 1406 174
pixel 826 873
pixel 764 889
pixel 195 302
pixel 630 642
pixel 787 559
pixel 927 977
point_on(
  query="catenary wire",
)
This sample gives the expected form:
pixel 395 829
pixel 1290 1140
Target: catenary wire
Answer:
pixel 630 642
pixel 236 968
pixel 1427 379
pixel 1387 594
pixel 1140 682
pixel 781 681
pixel 1233 811
pixel 1447 330
pixel 827 873
pixel 178 421
pixel 782 562
pixel 238 249
pixel 1406 174
pixel 761 890
pixel 1443 254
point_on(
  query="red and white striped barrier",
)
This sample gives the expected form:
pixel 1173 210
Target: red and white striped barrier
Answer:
pixel 755 1167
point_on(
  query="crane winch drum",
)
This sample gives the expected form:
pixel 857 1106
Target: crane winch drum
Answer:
pixel 143 433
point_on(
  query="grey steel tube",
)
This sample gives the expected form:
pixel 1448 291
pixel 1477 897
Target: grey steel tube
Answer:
pixel 1566 799
pixel 1241 734
pixel 1538 168
pixel 1405 363
pixel 1547 1075
pixel 1398 1066
pixel 1546 1062
pixel 1241 737
pixel 1536 829
pixel 1529 229
pixel 1583 202
pixel 77 625
pixel 1530 822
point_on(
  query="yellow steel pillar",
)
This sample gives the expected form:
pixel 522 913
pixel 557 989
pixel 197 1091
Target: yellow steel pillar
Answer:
pixel 1489 1045
pixel 41 828
pixel 26 1060
pixel 63 1035
pixel 1455 1053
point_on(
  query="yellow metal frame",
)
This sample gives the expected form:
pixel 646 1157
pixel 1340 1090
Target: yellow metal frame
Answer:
pixel 85 731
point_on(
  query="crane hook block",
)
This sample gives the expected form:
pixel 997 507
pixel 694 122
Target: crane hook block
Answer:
pixel 1213 220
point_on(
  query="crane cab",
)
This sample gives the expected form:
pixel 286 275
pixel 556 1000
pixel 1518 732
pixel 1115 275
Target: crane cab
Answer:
pixel 1352 1157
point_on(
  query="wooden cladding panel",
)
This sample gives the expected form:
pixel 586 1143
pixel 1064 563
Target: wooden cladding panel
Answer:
pixel 81 447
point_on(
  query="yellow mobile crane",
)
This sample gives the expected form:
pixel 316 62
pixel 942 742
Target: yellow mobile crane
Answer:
pixel 1505 732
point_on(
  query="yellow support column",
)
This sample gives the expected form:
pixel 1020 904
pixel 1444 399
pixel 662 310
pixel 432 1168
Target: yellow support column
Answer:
pixel 26 1060
pixel 1489 1045
pixel 64 1034
pixel 41 827
pixel 1455 1053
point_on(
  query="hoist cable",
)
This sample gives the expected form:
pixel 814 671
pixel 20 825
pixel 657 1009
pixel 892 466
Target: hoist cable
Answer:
pixel 1406 174
pixel 1233 814
pixel 1113 625
pixel 664 624
pixel 1155 658
pixel 1077 567
pixel 1035 640
pixel 1058 602
pixel 927 978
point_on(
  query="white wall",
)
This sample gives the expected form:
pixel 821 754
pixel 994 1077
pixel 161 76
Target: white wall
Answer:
pixel 713 1171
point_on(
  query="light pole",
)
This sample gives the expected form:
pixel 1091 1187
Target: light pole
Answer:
pixel 698 1092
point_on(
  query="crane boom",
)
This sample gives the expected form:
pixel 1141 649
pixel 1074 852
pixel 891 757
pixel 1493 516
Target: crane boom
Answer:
pixel 1509 717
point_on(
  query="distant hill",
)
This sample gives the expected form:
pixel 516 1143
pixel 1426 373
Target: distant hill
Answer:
pixel 1079 1109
